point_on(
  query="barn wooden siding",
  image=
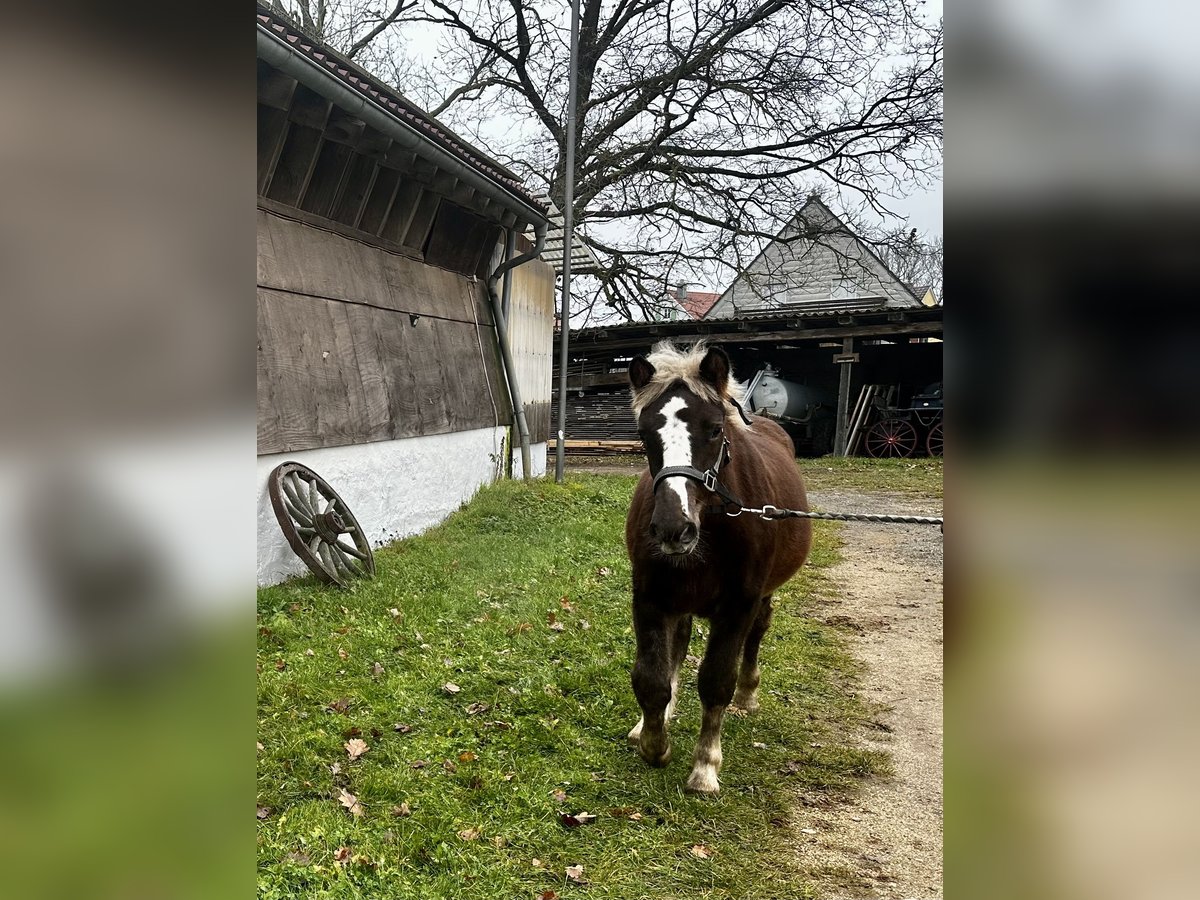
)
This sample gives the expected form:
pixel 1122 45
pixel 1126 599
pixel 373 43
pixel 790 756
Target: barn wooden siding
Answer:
pixel 531 340
pixel 357 343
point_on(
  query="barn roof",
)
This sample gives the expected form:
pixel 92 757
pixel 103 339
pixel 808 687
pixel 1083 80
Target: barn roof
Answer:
pixel 339 69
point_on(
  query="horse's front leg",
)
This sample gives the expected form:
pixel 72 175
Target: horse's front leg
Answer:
pixel 652 682
pixel 717 681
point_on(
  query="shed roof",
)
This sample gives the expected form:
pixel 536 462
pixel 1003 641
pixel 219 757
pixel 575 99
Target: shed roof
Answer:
pixel 391 101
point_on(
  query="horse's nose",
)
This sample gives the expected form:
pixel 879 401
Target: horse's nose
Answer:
pixel 683 532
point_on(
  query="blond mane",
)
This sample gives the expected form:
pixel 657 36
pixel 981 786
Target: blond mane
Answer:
pixel 672 364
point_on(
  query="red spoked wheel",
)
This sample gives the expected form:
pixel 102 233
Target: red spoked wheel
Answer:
pixel 933 443
pixel 319 526
pixel 891 439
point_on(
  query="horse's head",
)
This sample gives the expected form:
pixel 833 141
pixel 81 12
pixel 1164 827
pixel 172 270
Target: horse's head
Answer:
pixel 681 399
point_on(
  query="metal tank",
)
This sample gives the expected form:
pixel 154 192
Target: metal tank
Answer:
pixel 769 395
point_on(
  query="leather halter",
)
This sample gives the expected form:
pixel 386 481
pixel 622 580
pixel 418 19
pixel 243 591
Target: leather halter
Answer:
pixel 708 478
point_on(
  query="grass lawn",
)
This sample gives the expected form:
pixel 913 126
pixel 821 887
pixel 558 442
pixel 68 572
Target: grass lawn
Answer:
pixel 486 668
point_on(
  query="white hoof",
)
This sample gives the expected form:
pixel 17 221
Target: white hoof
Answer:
pixel 703 780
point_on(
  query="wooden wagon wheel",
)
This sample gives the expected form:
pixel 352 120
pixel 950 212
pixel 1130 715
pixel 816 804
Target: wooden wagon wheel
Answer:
pixel 314 520
pixel 891 439
pixel 933 443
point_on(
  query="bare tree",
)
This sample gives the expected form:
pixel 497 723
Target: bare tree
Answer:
pixel 702 124
pixel 914 261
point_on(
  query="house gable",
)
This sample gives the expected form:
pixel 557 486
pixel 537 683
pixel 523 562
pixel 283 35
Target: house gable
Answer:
pixel 793 272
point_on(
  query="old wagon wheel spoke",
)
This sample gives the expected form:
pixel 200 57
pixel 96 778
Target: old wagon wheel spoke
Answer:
pixel 313 518
pixel 353 551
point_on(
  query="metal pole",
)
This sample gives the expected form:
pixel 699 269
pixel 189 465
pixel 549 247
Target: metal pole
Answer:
pixel 560 448
pixel 843 407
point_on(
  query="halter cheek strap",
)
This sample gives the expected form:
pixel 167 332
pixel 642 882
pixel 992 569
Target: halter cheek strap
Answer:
pixel 708 478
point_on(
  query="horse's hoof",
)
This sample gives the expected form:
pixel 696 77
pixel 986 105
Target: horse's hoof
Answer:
pixel 703 781
pixel 656 758
pixel 635 734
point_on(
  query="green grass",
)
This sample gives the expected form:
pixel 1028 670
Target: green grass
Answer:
pixel 473 600
pixel 916 477
pixel 919 476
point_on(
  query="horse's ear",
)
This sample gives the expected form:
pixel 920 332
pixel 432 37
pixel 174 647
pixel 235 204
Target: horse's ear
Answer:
pixel 640 372
pixel 714 369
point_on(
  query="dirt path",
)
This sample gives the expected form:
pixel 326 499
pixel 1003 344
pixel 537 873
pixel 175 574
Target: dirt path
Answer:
pixel 887 841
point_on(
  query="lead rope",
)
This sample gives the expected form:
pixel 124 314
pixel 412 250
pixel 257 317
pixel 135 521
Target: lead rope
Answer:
pixel 772 513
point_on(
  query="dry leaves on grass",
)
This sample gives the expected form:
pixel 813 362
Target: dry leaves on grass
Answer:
pixel 702 852
pixel 474 709
pixel 632 813
pixel 356 747
pixel 552 621
pixel 343 654
pixel 351 803
pixel 402 811
pixel 565 603
pixel 559 795
pixel 339 705
pixel 467 756
pixel 575 873
pixel 377 670
pixel 402 728
pixel 263 811
pixel 469 834
pixel 451 688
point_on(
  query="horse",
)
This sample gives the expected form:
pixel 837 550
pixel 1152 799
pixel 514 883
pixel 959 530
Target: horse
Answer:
pixel 689 558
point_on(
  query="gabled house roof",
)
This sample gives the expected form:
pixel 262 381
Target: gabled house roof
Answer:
pixel 697 303
pixel 793 272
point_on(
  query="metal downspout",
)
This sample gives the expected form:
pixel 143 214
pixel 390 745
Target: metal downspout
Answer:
pixel 510 371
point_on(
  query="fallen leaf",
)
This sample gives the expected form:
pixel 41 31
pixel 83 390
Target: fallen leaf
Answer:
pixel 499 842
pixel 260 746
pixel 759 745
pixel 419 764
pixel 574 821
pixel 402 811
pixel 339 706
pixel 575 873
pixel 449 766
pixel 510 776
pixel 701 852
pixel 309 652
pixel 351 803
pixel 565 604
pixel 585 624
pixel 451 688
pixel 299 858
pixel 548 895
pixel 352 732
pixel 341 854
pixel 632 813
pixel 808 831
pixel 558 626
pixel 356 747
pixel 559 795
pixel 403 729
pixel 537 863
pixel 467 756
pixel 604 571
pixel 280 665
pixel 377 670
pixel 474 709
pixel 469 834
pixel 361 860
pixel 395 613
pixel 343 654
pixel 263 811
pixel 335 769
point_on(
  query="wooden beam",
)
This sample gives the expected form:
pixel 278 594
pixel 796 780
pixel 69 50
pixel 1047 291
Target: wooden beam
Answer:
pixel 272 133
pixel 842 426
pixel 922 329
pixel 297 160
pixel 422 220
pixel 299 215
pixel 404 207
pixel 309 108
pixel 328 179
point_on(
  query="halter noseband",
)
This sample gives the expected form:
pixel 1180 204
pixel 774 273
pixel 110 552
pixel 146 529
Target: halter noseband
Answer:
pixel 708 477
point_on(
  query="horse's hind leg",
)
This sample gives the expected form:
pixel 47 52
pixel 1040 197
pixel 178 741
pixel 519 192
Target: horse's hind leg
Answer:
pixel 652 683
pixel 717 681
pixel 747 687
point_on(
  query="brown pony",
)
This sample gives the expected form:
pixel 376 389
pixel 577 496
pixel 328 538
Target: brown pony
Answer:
pixel 691 559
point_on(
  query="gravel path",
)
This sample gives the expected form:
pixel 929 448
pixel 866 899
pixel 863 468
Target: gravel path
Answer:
pixel 886 842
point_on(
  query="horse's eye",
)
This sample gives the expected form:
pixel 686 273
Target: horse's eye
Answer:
pixel 717 432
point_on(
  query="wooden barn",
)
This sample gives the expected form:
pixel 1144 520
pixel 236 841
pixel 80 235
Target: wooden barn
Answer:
pixel 826 316
pixel 401 304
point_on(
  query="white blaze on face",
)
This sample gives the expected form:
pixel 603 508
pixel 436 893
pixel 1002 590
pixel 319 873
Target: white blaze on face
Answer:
pixel 676 447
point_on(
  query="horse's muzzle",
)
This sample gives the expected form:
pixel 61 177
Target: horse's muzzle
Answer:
pixel 675 540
